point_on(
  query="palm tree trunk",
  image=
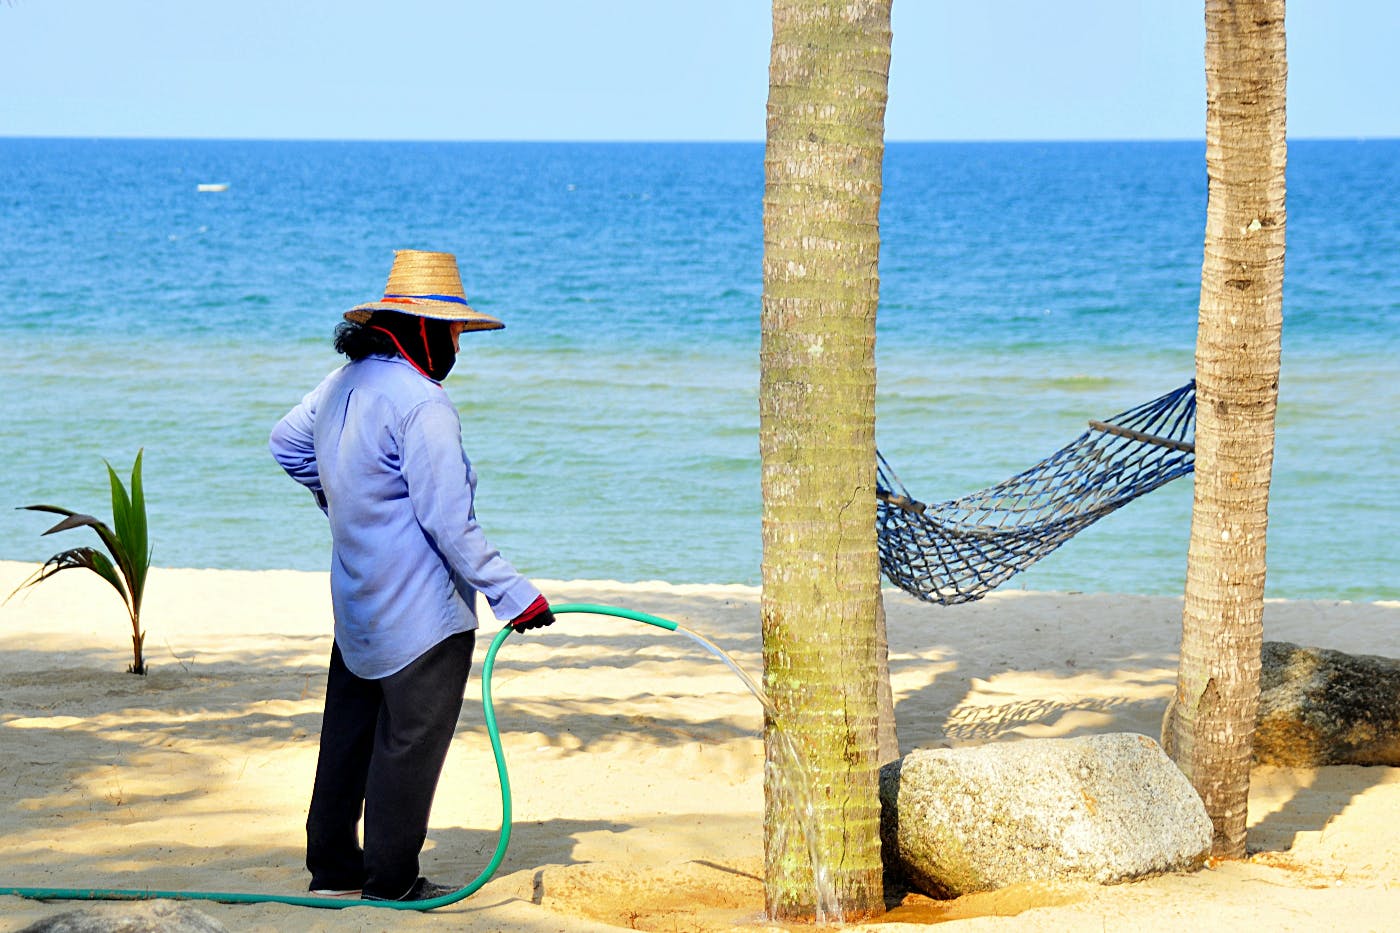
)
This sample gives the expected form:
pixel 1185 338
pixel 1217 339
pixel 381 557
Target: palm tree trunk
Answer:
pixel 887 741
pixel 821 589
pixel 1210 725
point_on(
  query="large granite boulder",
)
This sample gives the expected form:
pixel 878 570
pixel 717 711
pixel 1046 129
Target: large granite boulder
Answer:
pixel 1323 707
pixel 1102 808
pixel 126 917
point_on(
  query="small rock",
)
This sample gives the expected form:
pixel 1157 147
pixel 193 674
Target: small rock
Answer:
pixel 1102 808
pixel 127 917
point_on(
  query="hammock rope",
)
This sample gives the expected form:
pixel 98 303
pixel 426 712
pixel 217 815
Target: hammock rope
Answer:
pixel 960 550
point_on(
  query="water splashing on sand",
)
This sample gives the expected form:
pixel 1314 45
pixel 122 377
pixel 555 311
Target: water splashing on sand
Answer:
pixel 792 783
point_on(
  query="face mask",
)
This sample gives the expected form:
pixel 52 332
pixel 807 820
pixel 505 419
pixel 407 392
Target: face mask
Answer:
pixel 424 342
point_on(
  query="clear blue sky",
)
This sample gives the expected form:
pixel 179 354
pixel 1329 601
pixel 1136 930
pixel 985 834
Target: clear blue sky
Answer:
pixel 647 69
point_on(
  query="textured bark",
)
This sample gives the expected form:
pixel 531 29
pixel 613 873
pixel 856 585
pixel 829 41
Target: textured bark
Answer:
pixel 1210 725
pixel 887 742
pixel 821 579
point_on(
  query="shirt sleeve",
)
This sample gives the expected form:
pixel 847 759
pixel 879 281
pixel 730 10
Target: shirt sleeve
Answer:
pixel 437 474
pixel 293 444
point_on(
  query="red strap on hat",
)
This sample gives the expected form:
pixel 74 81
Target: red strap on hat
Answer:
pixel 402 352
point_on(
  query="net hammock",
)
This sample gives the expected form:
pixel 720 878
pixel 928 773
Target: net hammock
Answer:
pixel 959 551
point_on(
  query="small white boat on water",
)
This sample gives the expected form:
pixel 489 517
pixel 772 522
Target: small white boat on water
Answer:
pixel 222 186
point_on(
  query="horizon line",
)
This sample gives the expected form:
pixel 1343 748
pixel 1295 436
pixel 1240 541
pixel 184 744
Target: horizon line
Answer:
pixel 654 142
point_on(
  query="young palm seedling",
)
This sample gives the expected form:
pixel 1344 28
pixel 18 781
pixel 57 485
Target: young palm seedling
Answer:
pixel 126 542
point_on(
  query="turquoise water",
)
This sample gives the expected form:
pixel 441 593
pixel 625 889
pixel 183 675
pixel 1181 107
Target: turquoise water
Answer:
pixel 1025 289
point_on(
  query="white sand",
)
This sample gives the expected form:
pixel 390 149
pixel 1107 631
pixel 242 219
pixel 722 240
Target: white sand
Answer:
pixel 634 756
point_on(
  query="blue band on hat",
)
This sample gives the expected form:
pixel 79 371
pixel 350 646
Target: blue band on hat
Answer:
pixel 452 298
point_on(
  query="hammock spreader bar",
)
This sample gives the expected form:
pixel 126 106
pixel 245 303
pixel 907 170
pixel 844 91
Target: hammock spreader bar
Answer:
pixel 960 550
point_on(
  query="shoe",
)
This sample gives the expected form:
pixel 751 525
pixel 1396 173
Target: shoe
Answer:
pixel 422 890
pixel 334 892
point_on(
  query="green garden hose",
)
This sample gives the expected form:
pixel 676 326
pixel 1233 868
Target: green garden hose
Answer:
pixel 335 903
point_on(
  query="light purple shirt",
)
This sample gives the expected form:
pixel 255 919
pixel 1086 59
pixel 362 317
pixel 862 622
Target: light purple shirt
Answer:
pixel 383 444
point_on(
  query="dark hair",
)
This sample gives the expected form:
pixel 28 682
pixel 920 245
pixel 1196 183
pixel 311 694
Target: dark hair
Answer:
pixel 358 341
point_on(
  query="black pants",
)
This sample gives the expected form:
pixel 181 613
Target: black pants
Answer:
pixel 383 743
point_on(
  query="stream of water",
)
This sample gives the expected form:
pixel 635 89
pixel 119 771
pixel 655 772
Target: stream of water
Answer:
pixel 790 779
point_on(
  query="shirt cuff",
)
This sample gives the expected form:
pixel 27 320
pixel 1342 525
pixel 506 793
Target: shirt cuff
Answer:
pixel 540 605
pixel 516 600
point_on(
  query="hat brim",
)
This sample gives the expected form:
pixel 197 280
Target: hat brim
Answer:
pixel 421 307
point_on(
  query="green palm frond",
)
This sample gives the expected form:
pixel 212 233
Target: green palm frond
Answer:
pixel 78 520
pixel 129 520
pixel 79 558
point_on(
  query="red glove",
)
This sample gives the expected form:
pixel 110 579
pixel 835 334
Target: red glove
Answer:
pixel 536 615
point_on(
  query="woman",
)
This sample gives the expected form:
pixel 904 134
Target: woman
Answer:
pixel 379 444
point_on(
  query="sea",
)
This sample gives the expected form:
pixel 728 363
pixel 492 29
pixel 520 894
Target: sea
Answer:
pixel 1025 289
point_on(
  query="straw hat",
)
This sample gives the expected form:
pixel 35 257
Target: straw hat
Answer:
pixel 426 285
